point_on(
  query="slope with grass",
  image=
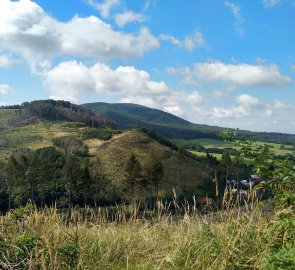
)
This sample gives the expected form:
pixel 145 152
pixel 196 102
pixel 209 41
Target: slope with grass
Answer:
pixel 185 175
pixel 182 173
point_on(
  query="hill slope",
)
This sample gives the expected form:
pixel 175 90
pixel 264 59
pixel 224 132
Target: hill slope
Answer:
pixel 168 125
pixel 185 175
pixel 132 115
pixel 51 110
pixel 182 173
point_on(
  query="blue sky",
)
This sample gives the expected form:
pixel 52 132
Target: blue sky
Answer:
pixel 225 63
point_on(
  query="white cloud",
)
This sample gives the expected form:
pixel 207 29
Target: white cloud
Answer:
pixel 277 104
pixel 220 94
pixel 293 67
pixel 234 74
pixel 191 42
pixel 70 79
pixel 4 89
pixel 270 3
pixel 129 16
pixel 249 102
pixel 245 106
pixel 234 112
pixel 6 61
pixel 26 29
pixel 104 7
pixel 239 21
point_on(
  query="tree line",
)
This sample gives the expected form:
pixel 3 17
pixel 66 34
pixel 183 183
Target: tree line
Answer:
pixel 60 110
pixel 65 175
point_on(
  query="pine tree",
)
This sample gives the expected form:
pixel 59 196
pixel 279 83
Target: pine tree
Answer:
pixel 133 173
pixel 71 172
pixel 96 173
pixel 11 175
pixel 155 171
pixel 85 182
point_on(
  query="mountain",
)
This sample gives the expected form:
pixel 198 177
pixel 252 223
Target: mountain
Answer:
pixel 42 125
pixel 168 125
pixel 132 115
pixel 128 115
pixel 51 110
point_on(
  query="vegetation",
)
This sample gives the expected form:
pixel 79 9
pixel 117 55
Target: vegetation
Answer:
pixel 125 237
pixel 77 197
pixel 170 126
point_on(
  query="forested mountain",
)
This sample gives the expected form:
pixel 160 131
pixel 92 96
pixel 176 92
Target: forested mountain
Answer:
pixel 54 151
pixel 56 111
pixel 168 125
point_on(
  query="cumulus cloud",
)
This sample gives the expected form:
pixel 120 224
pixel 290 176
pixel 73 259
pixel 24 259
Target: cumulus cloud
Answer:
pixel 6 61
pixel 70 79
pixel 277 104
pixel 4 89
pixel 26 29
pixel 190 42
pixel 234 74
pixel 249 102
pixel 220 94
pixel 104 7
pixel 293 68
pixel 239 21
pixel 270 3
pixel 129 16
pixel 245 106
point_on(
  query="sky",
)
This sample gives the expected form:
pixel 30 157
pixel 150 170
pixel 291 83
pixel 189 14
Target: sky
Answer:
pixel 224 63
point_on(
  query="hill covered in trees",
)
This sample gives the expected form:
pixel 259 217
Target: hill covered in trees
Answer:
pixel 52 110
pixel 49 160
pixel 173 127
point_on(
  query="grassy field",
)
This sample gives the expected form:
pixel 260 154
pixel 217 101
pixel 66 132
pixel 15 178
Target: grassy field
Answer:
pixel 126 238
pixel 203 154
pixel 32 136
pixel 211 143
pixel 35 136
pixel 5 115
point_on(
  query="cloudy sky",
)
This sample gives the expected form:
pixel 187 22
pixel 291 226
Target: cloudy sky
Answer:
pixel 225 63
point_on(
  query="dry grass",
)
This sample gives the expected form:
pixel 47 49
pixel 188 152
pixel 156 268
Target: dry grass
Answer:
pixel 128 238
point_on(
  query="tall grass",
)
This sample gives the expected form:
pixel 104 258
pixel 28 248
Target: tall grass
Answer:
pixel 168 236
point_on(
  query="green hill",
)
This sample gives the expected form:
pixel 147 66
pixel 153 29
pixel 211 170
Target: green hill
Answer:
pixel 51 110
pixel 173 127
pixel 184 174
pixel 37 131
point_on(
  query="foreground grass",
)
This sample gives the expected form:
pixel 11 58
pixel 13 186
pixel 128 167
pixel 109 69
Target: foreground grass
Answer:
pixel 125 238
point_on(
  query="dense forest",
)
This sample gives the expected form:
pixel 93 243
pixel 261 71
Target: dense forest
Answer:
pixel 170 126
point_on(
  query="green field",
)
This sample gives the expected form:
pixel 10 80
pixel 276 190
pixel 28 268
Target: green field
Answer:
pixel 276 148
pixel 203 154
pixel 5 115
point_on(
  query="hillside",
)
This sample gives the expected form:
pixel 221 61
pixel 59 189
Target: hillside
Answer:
pixel 182 173
pixel 51 110
pixel 173 127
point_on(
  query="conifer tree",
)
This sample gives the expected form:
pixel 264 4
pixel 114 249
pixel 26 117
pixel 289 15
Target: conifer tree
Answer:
pixel 133 173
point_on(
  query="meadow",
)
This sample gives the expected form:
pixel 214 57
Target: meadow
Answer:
pixel 277 149
pixel 129 237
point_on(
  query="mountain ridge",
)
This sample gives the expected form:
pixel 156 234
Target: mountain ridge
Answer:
pixel 129 115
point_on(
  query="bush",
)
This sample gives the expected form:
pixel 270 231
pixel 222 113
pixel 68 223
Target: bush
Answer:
pixel 68 255
pixel 101 134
